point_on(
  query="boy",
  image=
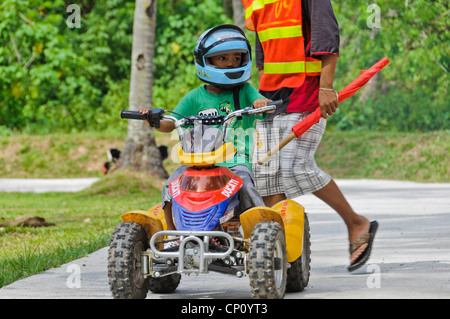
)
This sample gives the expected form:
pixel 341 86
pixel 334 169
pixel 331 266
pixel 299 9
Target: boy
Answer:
pixel 223 60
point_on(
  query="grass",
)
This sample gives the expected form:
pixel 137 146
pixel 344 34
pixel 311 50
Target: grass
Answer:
pixel 56 155
pixel 85 220
pixel 62 155
pixel 420 157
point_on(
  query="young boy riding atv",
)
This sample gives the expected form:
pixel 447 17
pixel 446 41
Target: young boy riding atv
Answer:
pixel 204 198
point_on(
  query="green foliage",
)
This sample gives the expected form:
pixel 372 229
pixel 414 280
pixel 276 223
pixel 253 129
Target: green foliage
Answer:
pixel 180 23
pixel 76 79
pixel 412 92
pixel 63 86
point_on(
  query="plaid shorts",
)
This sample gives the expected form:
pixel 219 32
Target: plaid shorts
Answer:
pixel 293 170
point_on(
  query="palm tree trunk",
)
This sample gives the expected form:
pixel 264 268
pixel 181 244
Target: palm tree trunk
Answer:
pixel 238 14
pixel 140 151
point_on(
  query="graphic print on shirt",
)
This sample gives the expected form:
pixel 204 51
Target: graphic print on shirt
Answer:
pixel 208 112
pixel 225 107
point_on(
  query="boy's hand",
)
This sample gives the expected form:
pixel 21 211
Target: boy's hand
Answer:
pixel 260 103
pixel 165 126
pixel 144 111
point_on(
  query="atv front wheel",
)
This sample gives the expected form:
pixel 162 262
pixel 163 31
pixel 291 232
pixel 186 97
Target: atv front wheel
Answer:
pixel 267 261
pixel 126 281
pixel 164 285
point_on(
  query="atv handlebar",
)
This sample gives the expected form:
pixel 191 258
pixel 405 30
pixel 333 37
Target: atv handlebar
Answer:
pixel 132 115
pixel 251 110
pixel 155 115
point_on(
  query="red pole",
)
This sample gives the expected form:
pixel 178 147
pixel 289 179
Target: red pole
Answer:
pixel 347 92
pixel 314 117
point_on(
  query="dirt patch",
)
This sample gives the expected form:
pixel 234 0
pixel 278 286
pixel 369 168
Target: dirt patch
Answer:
pixel 27 221
pixel 10 152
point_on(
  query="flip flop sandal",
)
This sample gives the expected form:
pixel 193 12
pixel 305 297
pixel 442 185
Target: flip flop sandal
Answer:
pixel 364 239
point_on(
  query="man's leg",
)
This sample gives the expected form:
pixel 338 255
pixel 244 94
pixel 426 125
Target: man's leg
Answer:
pixel 268 179
pixel 271 200
pixel 168 216
pixel 302 175
pixel 357 225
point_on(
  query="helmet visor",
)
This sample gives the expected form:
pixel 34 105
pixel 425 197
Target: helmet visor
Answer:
pixel 244 56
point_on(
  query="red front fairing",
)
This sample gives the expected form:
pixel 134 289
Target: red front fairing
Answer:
pixel 198 189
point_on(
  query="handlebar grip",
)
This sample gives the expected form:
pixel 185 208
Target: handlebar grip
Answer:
pixel 277 103
pixel 134 115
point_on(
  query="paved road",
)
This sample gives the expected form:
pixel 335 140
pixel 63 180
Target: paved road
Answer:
pixel 410 259
pixel 42 185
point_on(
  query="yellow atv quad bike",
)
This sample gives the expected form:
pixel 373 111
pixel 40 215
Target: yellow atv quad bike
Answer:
pixel 269 245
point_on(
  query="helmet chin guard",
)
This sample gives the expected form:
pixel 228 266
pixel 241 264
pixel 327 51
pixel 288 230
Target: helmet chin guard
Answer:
pixel 223 39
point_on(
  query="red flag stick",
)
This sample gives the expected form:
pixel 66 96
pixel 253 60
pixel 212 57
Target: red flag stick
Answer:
pixel 314 117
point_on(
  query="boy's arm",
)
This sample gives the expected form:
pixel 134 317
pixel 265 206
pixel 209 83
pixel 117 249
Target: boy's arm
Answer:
pixel 165 126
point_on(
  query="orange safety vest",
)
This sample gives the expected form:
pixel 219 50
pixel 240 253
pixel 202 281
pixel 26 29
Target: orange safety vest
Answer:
pixel 279 27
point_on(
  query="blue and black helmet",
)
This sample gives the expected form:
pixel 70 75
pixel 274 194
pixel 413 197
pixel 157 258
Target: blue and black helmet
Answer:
pixel 223 39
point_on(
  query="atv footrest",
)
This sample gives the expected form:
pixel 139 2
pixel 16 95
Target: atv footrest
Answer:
pixel 226 270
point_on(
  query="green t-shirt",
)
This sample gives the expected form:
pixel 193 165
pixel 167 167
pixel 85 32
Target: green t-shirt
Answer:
pixel 240 132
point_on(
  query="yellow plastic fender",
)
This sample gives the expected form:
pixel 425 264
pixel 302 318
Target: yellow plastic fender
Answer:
pixel 222 154
pixel 293 215
pixel 158 212
pixel 152 220
pixel 254 215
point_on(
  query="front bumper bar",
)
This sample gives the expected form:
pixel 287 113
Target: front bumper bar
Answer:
pixel 201 250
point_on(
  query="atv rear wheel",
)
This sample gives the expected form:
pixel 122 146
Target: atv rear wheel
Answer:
pixel 298 272
pixel 126 281
pixel 267 261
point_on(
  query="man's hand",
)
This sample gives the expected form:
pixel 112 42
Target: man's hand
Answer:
pixel 328 102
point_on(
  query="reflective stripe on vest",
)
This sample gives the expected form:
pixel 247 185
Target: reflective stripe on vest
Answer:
pixel 313 67
pixel 280 33
pixel 256 5
pixel 279 27
pixel 307 67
